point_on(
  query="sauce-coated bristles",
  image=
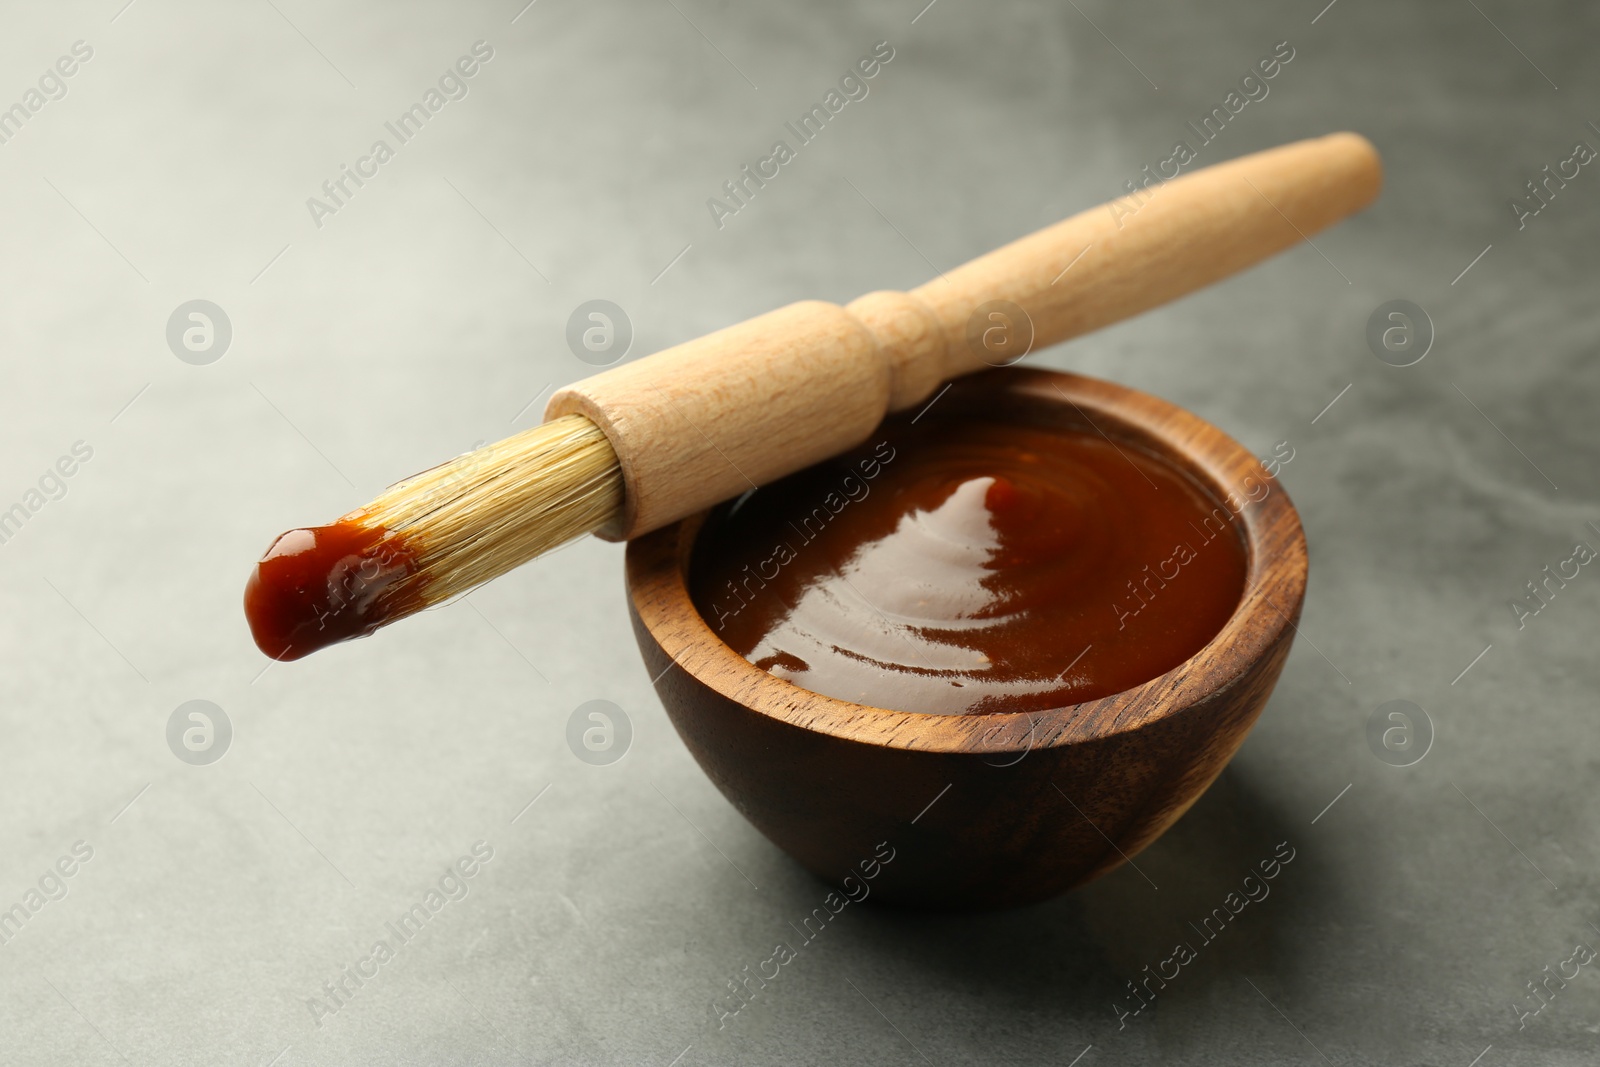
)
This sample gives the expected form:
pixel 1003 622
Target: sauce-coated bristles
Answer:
pixel 433 536
pixel 483 513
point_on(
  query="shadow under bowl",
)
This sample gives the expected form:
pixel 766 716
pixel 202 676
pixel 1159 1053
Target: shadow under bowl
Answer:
pixel 988 810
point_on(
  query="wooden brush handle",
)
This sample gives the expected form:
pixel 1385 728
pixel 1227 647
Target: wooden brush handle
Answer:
pixel 706 420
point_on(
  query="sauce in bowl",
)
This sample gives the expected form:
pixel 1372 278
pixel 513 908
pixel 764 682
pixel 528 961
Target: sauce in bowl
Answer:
pixel 967 566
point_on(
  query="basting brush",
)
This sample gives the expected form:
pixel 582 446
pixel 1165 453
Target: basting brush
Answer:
pixel 653 441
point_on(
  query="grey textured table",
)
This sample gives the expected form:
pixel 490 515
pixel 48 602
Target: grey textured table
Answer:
pixel 425 310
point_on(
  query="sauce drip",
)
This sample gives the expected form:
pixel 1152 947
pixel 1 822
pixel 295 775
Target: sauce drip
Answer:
pixel 972 567
pixel 318 586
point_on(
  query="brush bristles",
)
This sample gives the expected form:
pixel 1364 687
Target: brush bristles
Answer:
pixel 481 514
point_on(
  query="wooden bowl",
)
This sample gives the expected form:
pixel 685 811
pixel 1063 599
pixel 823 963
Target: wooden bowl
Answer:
pixel 986 810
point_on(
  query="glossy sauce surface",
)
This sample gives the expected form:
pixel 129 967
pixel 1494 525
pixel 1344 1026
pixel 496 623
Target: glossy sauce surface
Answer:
pixel 325 584
pixel 972 567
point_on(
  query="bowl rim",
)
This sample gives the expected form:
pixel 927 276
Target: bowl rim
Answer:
pixel 1275 581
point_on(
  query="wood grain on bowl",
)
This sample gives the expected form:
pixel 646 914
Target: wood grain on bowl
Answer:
pixel 1001 809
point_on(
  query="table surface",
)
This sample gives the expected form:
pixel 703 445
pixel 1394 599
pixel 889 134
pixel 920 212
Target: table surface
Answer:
pixel 419 313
